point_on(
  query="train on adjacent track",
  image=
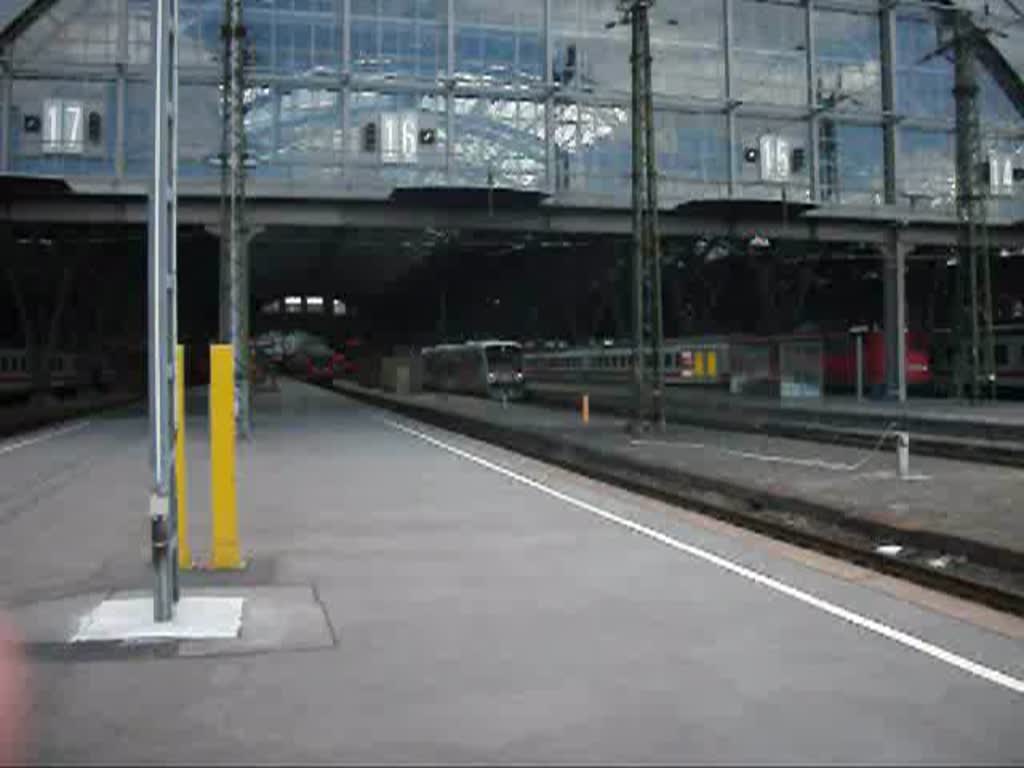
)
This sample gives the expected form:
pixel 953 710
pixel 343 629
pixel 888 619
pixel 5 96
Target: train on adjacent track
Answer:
pixel 69 372
pixel 1009 359
pixel 303 355
pixel 490 368
pixel 721 361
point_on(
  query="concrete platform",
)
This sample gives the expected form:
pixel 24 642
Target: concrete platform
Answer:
pixel 948 521
pixel 432 599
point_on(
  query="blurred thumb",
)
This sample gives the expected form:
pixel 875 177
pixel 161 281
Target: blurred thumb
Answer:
pixel 13 695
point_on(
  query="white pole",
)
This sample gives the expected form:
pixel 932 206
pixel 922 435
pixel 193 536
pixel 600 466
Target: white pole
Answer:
pixel 903 453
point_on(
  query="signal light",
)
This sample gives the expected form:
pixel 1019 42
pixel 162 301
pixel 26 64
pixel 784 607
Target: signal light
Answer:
pixel 799 158
pixel 751 154
pixel 95 127
pixel 370 137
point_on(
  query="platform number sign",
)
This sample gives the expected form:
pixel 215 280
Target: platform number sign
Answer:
pixel 400 137
pixel 63 126
pixel 775 165
pixel 1000 175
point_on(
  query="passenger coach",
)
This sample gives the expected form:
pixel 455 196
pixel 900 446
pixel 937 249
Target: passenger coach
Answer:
pixel 489 368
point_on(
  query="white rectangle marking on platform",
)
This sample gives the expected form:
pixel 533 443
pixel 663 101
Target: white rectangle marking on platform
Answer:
pixel 195 618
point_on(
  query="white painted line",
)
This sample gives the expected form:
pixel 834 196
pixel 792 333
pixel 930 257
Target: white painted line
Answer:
pixel 816 463
pixel 668 443
pixel 42 437
pixel 903 638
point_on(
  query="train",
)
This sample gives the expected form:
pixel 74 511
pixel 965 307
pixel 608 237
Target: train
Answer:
pixel 1009 359
pixel 303 355
pixel 736 362
pixel 840 361
pixel 69 372
pixel 685 361
pixel 491 368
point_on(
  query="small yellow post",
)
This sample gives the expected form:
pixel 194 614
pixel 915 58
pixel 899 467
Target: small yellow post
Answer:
pixel 180 468
pixel 586 409
pixel 712 364
pixel 223 489
pixel 698 364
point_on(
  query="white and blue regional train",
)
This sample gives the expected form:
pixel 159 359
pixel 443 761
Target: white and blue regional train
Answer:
pixel 488 368
pixel 1009 359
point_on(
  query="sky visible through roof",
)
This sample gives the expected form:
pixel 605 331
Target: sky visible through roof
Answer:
pixel 7 9
pixel 1012 46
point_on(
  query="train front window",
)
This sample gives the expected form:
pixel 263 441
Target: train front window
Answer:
pixel 504 358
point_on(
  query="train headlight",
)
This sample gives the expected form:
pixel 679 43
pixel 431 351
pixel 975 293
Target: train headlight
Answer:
pixel 491 378
pixel 519 375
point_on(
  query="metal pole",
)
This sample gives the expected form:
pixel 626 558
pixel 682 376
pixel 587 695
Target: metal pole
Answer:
pixel 549 101
pixel 224 304
pixel 161 298
pixel 890 132
pixel 811 65
pixel 238 237
pixel 987 318
pixel 899 256
pixel 970 209
pixel 732 171
pixel 975 331
pixel 860 366
pixel 443 316
pixel 5 115
pixel 653 238
pixel 172 348
pixel 638 206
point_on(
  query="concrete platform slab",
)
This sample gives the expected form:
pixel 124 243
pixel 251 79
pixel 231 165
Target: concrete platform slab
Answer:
pixel 210 621
pixel 131 618
pixel 274 619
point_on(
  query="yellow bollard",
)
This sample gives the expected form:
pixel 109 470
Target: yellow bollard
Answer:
pixel 223 488
pixel 180 469
pixel 586 409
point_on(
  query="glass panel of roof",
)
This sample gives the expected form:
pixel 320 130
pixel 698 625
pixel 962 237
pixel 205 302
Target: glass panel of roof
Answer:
pixel 847 57
pixel 924 71
pixel 400 37
pixel 499 43
pixel 770 44
pixel 500 142
pixel 79 31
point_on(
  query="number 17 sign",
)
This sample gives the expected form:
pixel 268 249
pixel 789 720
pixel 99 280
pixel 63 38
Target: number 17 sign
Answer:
pixel 63 129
